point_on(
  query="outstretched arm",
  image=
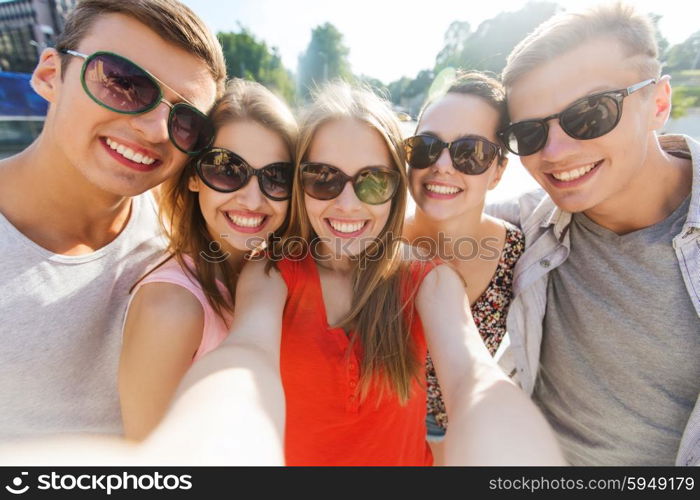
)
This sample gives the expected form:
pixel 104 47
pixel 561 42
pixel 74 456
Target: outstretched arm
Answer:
pixel 491 421
pixel 229 409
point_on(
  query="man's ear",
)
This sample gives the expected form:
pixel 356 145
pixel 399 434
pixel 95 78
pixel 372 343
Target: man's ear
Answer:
pixel 662 102
pixel 46 79
pixel 500 167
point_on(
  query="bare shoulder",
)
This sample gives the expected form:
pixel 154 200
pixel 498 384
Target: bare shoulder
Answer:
pixel 493 222
pixel 166 297
pixel 159 308
pixel 495 227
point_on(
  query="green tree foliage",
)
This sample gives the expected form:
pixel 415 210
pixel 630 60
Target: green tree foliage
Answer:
pixel 376 85
pixel 685 55
pixel 488 47
pixel 398 88
pixel 249 58
pixel 683 62
pixel 661 40
pixel 684 98
pixel 455 39
pixel 325 58
pixel 420 84
pixel 485 49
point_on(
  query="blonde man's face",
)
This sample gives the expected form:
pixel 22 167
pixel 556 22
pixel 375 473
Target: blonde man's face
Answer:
pixel 582 175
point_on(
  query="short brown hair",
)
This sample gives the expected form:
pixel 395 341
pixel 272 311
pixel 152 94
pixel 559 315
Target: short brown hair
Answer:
pixel 170 19
pixel 633 30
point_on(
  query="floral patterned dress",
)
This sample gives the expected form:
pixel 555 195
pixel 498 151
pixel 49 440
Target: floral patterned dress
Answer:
pixel 489 313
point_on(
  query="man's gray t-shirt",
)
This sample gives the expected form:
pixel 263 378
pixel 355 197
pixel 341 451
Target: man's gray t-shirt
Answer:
pixel 620 362
pixel 61 324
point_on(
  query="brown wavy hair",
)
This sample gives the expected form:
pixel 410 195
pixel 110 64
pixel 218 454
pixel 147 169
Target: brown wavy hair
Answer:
pixel 181 216
pixel 377 316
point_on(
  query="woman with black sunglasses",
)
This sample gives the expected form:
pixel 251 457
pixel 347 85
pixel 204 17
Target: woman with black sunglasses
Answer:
pixel 223 207
pixel 342 314
pixel 454 159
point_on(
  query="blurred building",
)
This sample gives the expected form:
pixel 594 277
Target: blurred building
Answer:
pixel 22 113
pixel 26 28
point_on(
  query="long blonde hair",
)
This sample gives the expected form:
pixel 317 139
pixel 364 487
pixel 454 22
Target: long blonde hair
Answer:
pixel 181 216
pixel 377 312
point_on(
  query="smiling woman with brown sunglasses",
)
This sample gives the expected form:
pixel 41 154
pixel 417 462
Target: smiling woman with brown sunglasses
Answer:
pixel 223 205
pixel 449 182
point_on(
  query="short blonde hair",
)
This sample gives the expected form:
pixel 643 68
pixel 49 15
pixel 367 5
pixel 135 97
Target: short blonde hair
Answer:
pixel 633 30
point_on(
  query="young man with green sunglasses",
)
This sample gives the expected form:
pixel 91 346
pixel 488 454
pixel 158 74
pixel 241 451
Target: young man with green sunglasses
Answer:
pixel 605 321
pixel 128 85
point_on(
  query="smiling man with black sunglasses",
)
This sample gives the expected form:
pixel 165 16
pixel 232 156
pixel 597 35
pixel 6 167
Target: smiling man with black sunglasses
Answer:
pixel 605 322
pixel 128 85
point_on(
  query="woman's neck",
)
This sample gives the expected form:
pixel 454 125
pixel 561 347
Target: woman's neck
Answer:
pixel 231 265
pixel 330 261
pixel 447 235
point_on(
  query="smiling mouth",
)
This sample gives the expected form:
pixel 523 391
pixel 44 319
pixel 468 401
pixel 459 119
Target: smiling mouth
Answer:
pixel 441 189
pixel 572 175
pixel 129 153
pixel 256 222
pixel 347 227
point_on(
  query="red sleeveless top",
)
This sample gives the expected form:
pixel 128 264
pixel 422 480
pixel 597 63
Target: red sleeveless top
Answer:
pixel 326 424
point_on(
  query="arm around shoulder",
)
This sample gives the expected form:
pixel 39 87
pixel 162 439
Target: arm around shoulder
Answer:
pixel 516 210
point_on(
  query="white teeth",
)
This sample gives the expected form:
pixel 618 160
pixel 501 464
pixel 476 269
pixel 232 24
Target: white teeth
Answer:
pixel 572 175
pixel 345 227
pixel 129 154
pixel 440 189
pixel 246 221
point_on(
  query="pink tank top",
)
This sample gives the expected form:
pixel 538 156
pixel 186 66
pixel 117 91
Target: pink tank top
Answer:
pixel 215 328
